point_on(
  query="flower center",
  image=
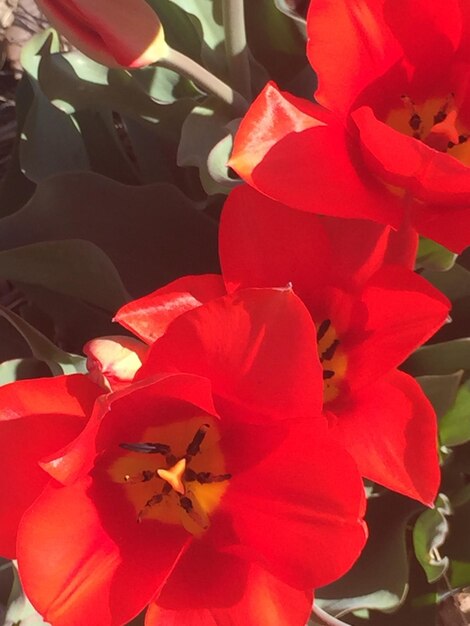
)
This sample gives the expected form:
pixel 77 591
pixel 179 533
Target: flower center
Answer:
pixel 186 482
pixel 434 122
pixel 332 358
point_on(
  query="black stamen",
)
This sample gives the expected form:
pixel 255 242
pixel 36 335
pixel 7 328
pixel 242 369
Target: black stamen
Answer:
pixel 328 374
pixel 156 499
pixel 147 447
pixel 440 116
pixel 195 445
pixel 147 475
pixel 186 503
pixel 415 121
pixel 462 138
pixel 330 352
pixel 323 329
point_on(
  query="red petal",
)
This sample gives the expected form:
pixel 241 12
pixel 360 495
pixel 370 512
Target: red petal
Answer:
pixel 80 565
pixel 311 506
pixel 390 428
pixel 403 161
pixel 401 312
pixel 264 243
pixel 37 418
pixel 299 509
pixel 361 50
pixel 272 116
pixel 294 157
pixel 448 225
pixel 209 588
pixel 148 317
pixel 257 347
pixel 402 247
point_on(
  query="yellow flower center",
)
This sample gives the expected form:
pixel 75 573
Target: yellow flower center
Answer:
pixel 187 480
pixel 435 122
pixel 332 358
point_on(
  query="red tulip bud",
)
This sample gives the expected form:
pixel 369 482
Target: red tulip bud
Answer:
pixel 124 33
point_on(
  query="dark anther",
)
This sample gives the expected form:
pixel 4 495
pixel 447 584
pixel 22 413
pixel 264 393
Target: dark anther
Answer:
pixel 323 329
pixel 186 503
pixel 328 374
pixel 147 448
pixel 330 352
pixel 147 475
pixel 166 489
pixel 450 145
pixel 440 116
pixel 205 478
pixel 195 445
pixel 415 121
pixel 462 138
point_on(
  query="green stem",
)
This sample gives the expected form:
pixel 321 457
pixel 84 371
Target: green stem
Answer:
pixel 236 46
pixel 209 83
pixel 325 618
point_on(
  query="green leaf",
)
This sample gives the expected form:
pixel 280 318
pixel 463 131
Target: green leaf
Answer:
pixel 429 533
pixel 379 579
pixel 454 427
pixel 433 256
pixel 19 369
pixel 173 238
pixel 206 16
pixel 440 358
pixel 206 143
pixel 43 349
pixel 441 391
pixel 74 267
pixel 455 283
pixel 50 141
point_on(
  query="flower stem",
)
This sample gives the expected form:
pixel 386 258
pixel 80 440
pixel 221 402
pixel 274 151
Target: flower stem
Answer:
pixel 325 618
pixel 236 46
pixel 180 63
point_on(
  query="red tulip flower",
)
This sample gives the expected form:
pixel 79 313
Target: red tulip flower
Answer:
pixel 371 312
pixel 124 33
pixel 212 497
pixel 388 140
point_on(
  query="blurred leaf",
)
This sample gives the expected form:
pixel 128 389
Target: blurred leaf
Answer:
pixel 460 574
pixel 181 31
pixel 296 9
pixel 20 611
pixel 457 546
pixel 454 427
pixel 164 85
pixel 74 267
pixel 206 16
pixel 19 369
pixel 433 256
pixel 105 150
pixel 51 142
pixel 429 533
pixel 441 391
pixel 276 41
pixel 43 349
pixel 379 579
pixel 455 283
pixel 152 234
pixel 206 143
pixel 440 358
